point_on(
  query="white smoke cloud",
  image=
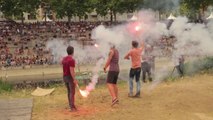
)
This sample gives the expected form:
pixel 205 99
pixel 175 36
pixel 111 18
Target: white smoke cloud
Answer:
pixel 105 37
pixel 191 39
pixel 57 48
pixel 94 79
pixel 82 55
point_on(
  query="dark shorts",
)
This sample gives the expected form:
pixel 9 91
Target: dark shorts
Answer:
pixel 112 77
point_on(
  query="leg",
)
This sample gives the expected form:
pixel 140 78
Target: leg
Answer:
pixel 143 72
pixel 115 95
pixel 115 85
pixel 149 74
pixel 130 86
pixel 111 90
pixel 182 69
pixel 72 95
pixel 179 70
pixel 138 72
pixel 68 93
pixel 115 90
pixel 144 76
pixel 131 77
pixel 111 83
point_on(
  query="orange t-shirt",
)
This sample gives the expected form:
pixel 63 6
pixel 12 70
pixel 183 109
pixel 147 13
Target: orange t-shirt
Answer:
pixel 135 55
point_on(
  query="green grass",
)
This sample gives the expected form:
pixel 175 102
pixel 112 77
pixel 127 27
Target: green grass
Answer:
pixel 5 87
pixel 199 66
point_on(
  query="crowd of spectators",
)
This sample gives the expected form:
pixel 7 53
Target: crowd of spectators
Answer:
pixel 25 44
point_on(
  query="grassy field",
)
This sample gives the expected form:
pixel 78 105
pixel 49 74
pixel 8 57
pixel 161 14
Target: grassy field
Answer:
pixel 189 98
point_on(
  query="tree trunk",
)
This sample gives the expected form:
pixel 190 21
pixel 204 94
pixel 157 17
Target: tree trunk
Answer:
pixel 111 16
pixel 69 18
pixel 115 17
pixel 22 18
pixel 203 10
pixel 79 18
pixel 45 17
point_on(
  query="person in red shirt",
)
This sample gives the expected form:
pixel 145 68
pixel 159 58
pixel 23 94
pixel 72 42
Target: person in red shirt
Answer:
pixel 68 63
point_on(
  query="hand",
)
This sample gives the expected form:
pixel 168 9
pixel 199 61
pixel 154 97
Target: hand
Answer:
pixel 105 70
pixel 142 42
pixel 75 82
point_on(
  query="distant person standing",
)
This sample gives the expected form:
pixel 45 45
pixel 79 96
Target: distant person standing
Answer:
pixel 148 64
pixel 180 65
pixel 68 63
pixel 112 77
pixel 135 71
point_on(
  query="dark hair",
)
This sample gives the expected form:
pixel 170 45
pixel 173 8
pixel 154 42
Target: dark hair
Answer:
pixel 135 44
pixel 70 50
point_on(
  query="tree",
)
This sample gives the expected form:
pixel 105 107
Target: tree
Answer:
pixel 103 7
pixel 7 7
pixel 18 7
pixel 70 8
pixel 63 8
pixel 83 7
pixel 131 5
pixel 162 6
pixel 196 5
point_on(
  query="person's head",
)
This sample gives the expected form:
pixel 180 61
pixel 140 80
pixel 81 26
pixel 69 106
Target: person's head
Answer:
pixel 70 50
pixel 134 44
pixel 112 46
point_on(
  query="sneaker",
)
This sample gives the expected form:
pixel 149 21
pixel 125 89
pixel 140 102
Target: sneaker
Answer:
pixel 130 95
pixel 73 109
pixel 115 101
pixel 137 95
pixel 150 79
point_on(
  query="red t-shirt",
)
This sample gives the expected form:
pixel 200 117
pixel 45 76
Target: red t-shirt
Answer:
pixel 67 62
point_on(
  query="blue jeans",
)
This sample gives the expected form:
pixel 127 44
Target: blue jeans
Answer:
pixel 134 73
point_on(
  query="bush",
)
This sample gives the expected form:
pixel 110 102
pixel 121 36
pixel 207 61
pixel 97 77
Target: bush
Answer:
pixel 4 86
pixel 193 67
pixel 204 64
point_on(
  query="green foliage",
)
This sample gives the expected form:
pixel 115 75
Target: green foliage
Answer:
pixel 197 66
pixel 4 86
pixel 204 65
pixel 192 7
pixel 71 8
pixel 79 8
pixel 17 7
pixel 161 5
pixel 103 7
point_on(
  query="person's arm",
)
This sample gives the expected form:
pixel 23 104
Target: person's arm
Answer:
pixel 108 60
pixel 142 46
pixel 72 72
pixel 127 56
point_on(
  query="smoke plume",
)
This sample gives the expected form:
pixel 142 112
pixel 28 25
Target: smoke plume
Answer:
pixel 191 39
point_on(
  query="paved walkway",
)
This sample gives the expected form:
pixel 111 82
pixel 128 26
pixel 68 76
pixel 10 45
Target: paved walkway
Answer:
pixel 16 109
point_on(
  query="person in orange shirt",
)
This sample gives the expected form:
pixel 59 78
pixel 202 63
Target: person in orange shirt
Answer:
pixel 135 71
